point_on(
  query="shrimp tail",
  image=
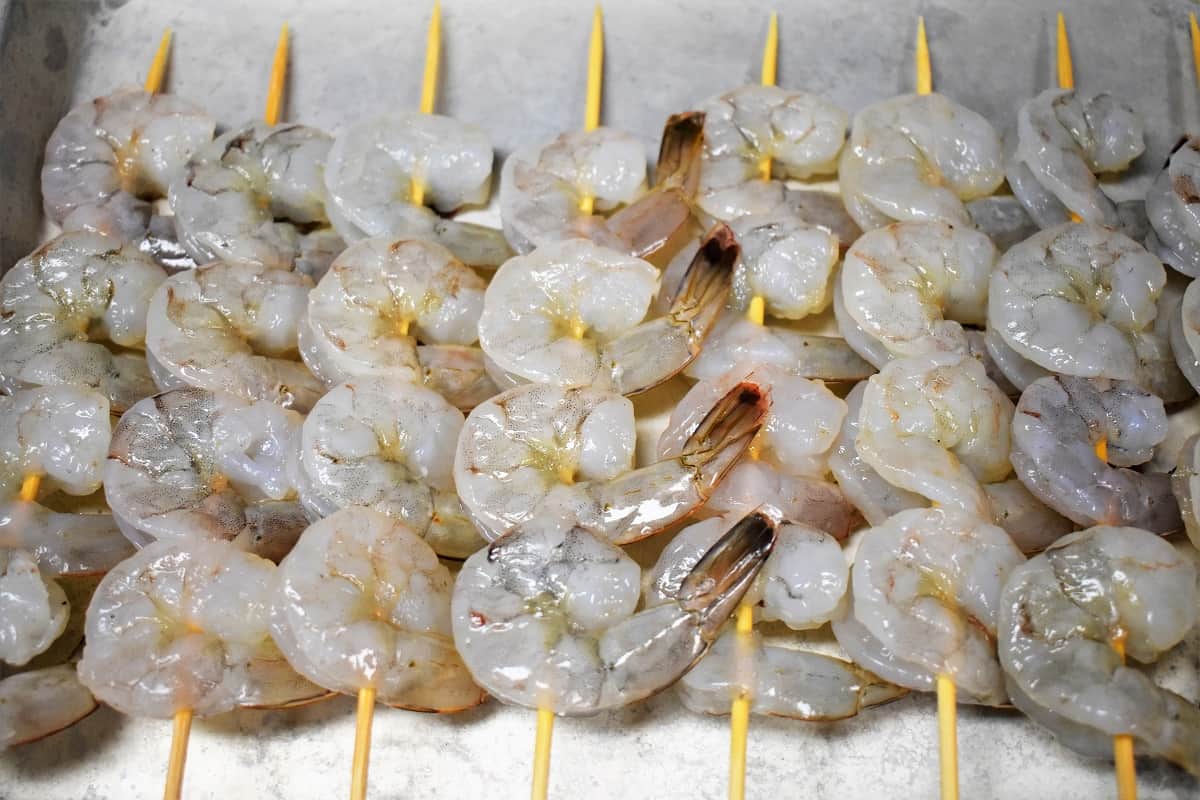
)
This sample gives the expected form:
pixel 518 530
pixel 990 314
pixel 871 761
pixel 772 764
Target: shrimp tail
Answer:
pixel 679 153
pixel 725 434
pixel 719 581
pixel 705 285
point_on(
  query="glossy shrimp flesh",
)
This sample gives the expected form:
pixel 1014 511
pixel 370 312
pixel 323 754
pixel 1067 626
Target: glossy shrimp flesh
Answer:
pixel 58 434
pixel 33 608
pixel 40 702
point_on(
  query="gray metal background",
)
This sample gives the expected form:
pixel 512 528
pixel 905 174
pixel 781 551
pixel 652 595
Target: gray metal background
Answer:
pixel 518 69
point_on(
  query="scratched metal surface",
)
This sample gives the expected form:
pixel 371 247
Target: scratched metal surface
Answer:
pixel 518 69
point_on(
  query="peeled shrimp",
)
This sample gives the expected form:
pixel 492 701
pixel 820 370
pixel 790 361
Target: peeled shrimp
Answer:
pixel 785 261
pixel 74 313
pixel 1173 207
pixel 388 445
pixel 1062 142
pixel 1016 369
pixel 926 589
pixel 257 194
pixel 918 158
pixel 369 173
pixel 62 543
pixel 194 463
pixel 570 314
pixel 59 434
pixel 1058 423
pixel 40 702
pixel 936 425
pixel 1184 336
pixel 546 617
pixel 1059 616
pixel 538 449
pixel 801 133
pixel 33 608
pixel 178 627
pixel 1081 300
pixel 912 285
pixel 109 154
pixel 233 328
pixel 1185 483
pixel 362 601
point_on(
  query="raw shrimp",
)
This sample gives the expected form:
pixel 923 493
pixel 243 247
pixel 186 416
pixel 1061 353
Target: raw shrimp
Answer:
pixel 63 544
pixel 1003 219
pixel 1060 615
pixel 388 445
pixel 234 328
pixel 915 158
pixel 546 617
pixel 74 313
pixel 378 299
pixel 1058 424
pixel 571 313
pixel 178 627
pixel 1081 300
pixel 1173 206
pixel 1184 335
pixel 538 449
pixel 786 262
pixel 926 589
pixel 363 602
pixel 369 174
pixel 1062 142
pixel 801 133
pixel 33 608
pixel 936 425
pixel 257 194
pixel 194 463
pixel 736 340
pixel 1185 483
pixel 910 285
pixel 756 485
pixel 782 682
pixel 1030 523
pixel 108 154
pixel 1016 369
pixel 541 191
pixel 459 374
pixel 40 702
pixel 59 434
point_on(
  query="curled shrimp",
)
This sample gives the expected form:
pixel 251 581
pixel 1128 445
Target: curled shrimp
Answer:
pixel 785 261
pixel 40 702
pixel 59 434
pixel 571 314
pixel 801 133
pixel 1185 483
pixel 194 463
pixel 362 601
pixel 912 285
pixel 546 617
pixel 1081 299
pixel 1062 142
pixel 754 485
pixel 184 627
pixel 937 426
pixel 918 157
pixel 388 445
pixel 1184 337
pixel 234 328
pixel 109 155
pixel 539 449
pixel 370 170
pixel 925 594
pixel 63 543
pixel 257 194
pixel 74 313
pixel 1058 424
pixel 1059 617
pixel 33 608
pixel 1173 209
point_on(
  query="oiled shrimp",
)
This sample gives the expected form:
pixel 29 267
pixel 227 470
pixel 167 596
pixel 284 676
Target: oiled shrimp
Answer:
pixel 389 445
pixel 109 154
pixel 362 601
pixel 926 590
pixel 40 702
pixel 538 448
pixel 786 262
pixel 1062 142
pixel 571 313
pixel 190 462
pixel 234 328
pixel 546 616
pixel 918 157
pixel 257 194
pixel 63 543
pixel 1185 483
pixel 59 434
pixel 74 313
pixel 1058 424
pixel 33 608
pixel 1173 208
pixel 1060 615
pixel 178 627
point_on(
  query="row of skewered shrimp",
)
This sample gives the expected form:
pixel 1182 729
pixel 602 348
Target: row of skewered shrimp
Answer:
pixel 274 392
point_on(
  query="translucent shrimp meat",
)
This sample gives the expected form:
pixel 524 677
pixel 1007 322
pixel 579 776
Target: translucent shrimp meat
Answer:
pixel 362 601
pixel 38 703
pixel 918 158
pixel 754 485
pixel 1173 210
pixel 1059 616
pixel 63 543
pixel 33 608
pixel 547 616
pixel 388 445
pixel 59 434
pixel 1185 483
pixel 785 261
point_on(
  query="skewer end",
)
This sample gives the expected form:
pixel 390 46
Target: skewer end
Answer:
pixel 158 68
pixel 1066 72
pixel 947 709
pixel 924 68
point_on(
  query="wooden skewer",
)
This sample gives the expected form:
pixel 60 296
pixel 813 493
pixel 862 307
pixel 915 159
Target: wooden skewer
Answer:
pixel 1123 746
pixel 1066 73
pixel 591 112
pixel 279 64
pixel 362 743
pixel 1195 43
pixel 433 54
pixel 739 717
pixel 770 64
pixel 29 487
pixel 181 730
pixel 158 67
pixel 924 68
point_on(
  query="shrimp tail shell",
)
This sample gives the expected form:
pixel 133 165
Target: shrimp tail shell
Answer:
pixel 706 283
pixel 716 585
pixel 725 433
pixel 679 154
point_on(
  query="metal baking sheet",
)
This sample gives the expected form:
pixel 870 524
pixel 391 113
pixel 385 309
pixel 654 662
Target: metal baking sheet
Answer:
pixel 517 69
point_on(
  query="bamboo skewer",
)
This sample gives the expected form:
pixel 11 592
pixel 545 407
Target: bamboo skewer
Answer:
pixel 364 715
pixel 1066 72
pixel 770 64
pixel 924 68
pixel 158 67
pixel 274 109
pixel 1195 30
pixel 433 54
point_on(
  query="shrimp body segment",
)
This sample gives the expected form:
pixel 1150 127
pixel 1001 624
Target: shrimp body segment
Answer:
pixel 40 702
pixel 33 608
